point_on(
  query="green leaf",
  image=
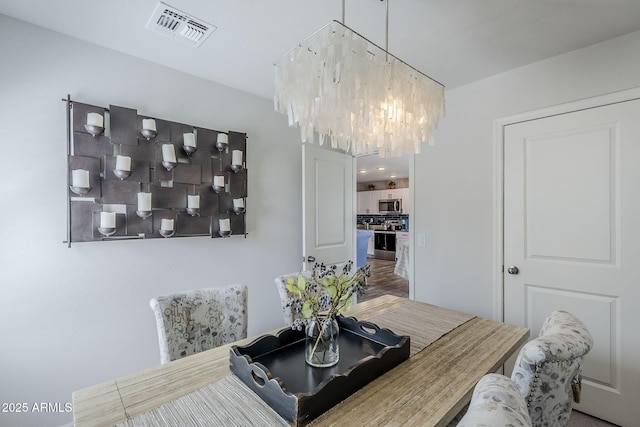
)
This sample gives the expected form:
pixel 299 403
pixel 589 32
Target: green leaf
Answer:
pixel 301 283
pixel 332 290
pixel 291 287
pixel 346 306
pixel 306 310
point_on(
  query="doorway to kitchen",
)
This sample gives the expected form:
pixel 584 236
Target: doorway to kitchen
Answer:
pixel 384 281
pixel 383 223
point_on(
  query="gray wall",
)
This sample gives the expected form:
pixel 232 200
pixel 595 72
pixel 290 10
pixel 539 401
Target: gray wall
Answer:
pixel 455 197
pixel 71 318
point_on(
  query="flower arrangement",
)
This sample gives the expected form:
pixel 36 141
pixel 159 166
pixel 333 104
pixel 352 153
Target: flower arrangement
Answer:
pixel 325 292
pixel 315 301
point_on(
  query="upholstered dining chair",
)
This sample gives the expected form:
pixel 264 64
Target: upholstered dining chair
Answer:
pixel 548 368
pixel 496 401
pixel 288 313
pixel 198 320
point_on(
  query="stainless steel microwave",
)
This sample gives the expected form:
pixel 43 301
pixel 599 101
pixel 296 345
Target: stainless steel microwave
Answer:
pixel 390 206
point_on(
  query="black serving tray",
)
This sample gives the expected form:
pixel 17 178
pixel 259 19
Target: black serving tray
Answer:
pixel 273 366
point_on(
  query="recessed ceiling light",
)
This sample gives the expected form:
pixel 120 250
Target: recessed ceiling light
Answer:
pixel 381 168
pixel 392 176
pixel 362 171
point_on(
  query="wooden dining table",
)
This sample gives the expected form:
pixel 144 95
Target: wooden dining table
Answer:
pixel 450 352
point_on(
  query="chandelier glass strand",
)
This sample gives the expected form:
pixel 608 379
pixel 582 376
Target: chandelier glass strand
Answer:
pixel 355 95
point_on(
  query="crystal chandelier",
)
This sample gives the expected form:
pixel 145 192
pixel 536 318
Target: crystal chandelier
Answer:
pixel 355 95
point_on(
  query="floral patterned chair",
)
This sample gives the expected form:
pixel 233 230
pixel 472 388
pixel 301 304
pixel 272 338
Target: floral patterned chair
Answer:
pixel 496 402
pixel 198 320
pixel 281 283
pixel 548 369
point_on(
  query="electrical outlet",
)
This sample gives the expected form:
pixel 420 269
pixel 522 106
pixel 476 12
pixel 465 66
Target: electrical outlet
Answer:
pixel 422 240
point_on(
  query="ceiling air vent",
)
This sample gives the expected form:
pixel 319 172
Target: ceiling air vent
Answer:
pixel 178 25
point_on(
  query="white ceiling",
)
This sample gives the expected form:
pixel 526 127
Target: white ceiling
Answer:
pixel 396 166
pixel 454 41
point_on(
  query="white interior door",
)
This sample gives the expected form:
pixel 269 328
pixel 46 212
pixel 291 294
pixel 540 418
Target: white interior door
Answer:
pixel 571 227
pixel 328 211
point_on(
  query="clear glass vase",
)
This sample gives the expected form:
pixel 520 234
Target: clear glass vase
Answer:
pixel 322 347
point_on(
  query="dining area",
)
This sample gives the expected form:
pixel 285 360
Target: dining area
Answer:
pixel 448 353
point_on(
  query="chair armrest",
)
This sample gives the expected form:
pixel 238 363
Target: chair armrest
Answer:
pixel 496 402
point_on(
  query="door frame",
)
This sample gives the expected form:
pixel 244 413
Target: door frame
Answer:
pixel 498 174
pixel 412 229
pixel 410 212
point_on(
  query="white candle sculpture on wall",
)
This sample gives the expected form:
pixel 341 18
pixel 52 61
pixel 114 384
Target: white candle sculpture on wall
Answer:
pixel 225 227
pixel 189 145
pixel 149 128
pixel 169 156
pixel 144 205
pixel 218 183
pixel 80 181
pixel 238 205
pixel 167 227
pixel 95 119
pixel 95 124
pixel 236 160
pixel 222 141
pixel 107 223
pixel 193 205
pixel 123 167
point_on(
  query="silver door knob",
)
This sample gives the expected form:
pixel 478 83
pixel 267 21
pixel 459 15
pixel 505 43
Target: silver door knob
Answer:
pixel 513 270
pixel 311 258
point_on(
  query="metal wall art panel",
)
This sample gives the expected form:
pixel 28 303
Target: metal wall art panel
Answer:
pixel 238 184
pixel 187 225
pixel 116 192
pixel 123 125
pixel 116 159
pixel 206 140
pixel 237 141
pixel 209 202
pixel 92 146
pixel 81 217
pixel 188 173
pixel 225 203
pixel 237 223
pixel 168 197
pixel 144 152
pixel 136 226
pixel 178 130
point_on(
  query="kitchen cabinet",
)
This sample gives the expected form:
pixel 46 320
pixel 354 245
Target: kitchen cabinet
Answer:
pixel 367 202
pixel 405 200
pixel 395 193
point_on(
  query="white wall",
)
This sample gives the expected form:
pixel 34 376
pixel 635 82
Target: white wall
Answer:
pixel 454 180
pixel 71 318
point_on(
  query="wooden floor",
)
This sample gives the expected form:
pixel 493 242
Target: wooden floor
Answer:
pixel 383 281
